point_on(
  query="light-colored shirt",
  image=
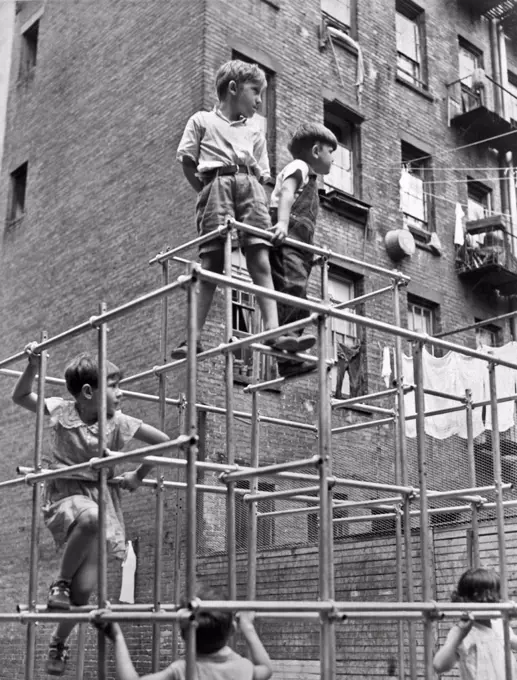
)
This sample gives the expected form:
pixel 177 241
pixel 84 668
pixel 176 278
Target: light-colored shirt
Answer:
pixel 481 653
pixel 73 441
pixel 222 665
pixel 294 167
pixel 211 140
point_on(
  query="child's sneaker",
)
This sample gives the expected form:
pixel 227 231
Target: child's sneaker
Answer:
pixel 57 657
pixel 59 595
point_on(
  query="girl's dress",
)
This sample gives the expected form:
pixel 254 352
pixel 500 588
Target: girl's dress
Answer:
pixel 481 653
pixel 72 442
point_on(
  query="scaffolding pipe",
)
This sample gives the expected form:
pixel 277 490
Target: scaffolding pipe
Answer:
pixel 191 507
pixel 478 324
pixel 301 303
pixel 35 515
pixel 443 395
pixel 402 458
pixel 341 403
pixel 251 585
pixel 503 571
pixel 162 258
pixel 102 560
pixel 362 426
pixel 267 470
pixel 267 495
pixel 81 643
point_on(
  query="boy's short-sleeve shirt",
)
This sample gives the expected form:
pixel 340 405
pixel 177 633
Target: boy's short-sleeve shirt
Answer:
pixel 293 168
pixel 211 140
pixel 222 665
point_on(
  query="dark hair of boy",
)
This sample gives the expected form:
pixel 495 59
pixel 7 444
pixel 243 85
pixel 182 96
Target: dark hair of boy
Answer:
pixel 478 585
pixel 83 370
pixel 213 628
pixel 309 134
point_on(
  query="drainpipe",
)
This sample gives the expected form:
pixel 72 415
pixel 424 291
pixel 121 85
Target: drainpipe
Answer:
pixel 512 195
pixel 503 68
pixel 496 64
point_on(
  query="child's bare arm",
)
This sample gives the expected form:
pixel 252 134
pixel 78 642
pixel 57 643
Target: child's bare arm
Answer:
pixel 123 664
pixel 285 203
pixel 263 669
pixel 447 656
pixel 23 394
pixel 149 435
pixel 189 170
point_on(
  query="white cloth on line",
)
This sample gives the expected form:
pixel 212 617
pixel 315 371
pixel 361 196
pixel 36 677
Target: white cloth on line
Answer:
pixel 506 385
pixel 386 366
pixel 127 588
pixel 459 232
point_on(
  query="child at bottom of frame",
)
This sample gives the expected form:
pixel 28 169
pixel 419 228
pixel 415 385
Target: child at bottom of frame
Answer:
pixel 477 646
pixel 215 660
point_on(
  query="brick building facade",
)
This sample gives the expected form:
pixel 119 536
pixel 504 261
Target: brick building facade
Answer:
pixel 91 190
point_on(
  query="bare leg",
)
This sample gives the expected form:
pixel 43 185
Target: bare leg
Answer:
pixel 259 268
pixel 214 262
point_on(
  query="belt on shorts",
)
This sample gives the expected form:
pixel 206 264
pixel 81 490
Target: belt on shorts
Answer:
pixel 209 175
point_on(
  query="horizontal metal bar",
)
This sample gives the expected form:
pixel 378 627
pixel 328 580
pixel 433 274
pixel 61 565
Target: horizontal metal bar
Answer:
pixel 316 250
pixel 198 241
pixel 443 395
pixel 341 403
pixel 328 310
pixel 250 497
pixel 362 426
pixel 270 469
pixel 257 387
pixel 463 493
pixel 478 324
pixel 97 615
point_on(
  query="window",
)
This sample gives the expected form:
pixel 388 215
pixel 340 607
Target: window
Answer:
pixel 340 12
pixel 29 49
pixel 18 190
pixel 409 23
pixel 265 525
pixel 414 199
pixel 264 119
pixel 344 342
pixel 340 529
pixel 344 175
pixel 479 200
pixel 470 61
pixel 489 335
pixel 511 98
pixel 422 317
pixel 246 321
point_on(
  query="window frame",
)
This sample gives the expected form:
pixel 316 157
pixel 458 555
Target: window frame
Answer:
pixel 434 312
pixel 336 19
pixel 29 42
pixel 340 276
pixel 17 209
pixel 511 77
pixel 270 102
pixel 477 192
pixel 496 334
pixel 335 116
pixel 416 15
pixel 414 158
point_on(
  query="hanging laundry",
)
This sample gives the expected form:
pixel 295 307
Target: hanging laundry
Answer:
pixel 506 385
pixel 127 589
pixel 386 366
pixel 459 230
pixel 471 375
pixel 349 359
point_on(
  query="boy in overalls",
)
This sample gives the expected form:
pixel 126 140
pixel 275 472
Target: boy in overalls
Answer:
pixel 294 209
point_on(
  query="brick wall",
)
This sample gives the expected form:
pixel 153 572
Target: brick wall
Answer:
pixel 99 123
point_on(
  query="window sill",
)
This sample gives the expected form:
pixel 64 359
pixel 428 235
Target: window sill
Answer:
pixel 331 22
pixel 345 204
pixel 420 90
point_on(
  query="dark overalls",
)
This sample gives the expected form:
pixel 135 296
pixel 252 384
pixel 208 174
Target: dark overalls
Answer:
pixel 291 267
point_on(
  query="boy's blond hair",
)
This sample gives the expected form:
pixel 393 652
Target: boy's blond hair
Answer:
pixel 309 134
pixel 240 72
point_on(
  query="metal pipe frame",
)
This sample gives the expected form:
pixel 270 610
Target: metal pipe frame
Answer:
pixel 342 403
pixel 319 308
pixel 267 470
pixel 102 560
pixel 263 495
pixel 35 516
pixel 444 395
pixel 162 258
pixel 362 426
pixel 478 324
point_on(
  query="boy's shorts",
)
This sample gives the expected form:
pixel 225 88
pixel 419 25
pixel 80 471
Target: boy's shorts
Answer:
pixel 240 196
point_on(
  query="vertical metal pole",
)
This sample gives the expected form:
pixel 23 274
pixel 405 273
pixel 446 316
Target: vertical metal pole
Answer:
pixel 327 667
pixel 191 509
pixel 35 517
pixel 424 510
pixel 231 541
pixel 159 496
pixel 406 507
pixel 503 570
pixel 474 543
pixel 254 462
pixel 178 522
pixel 102 565
pixel 81 640
pixel 399 552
